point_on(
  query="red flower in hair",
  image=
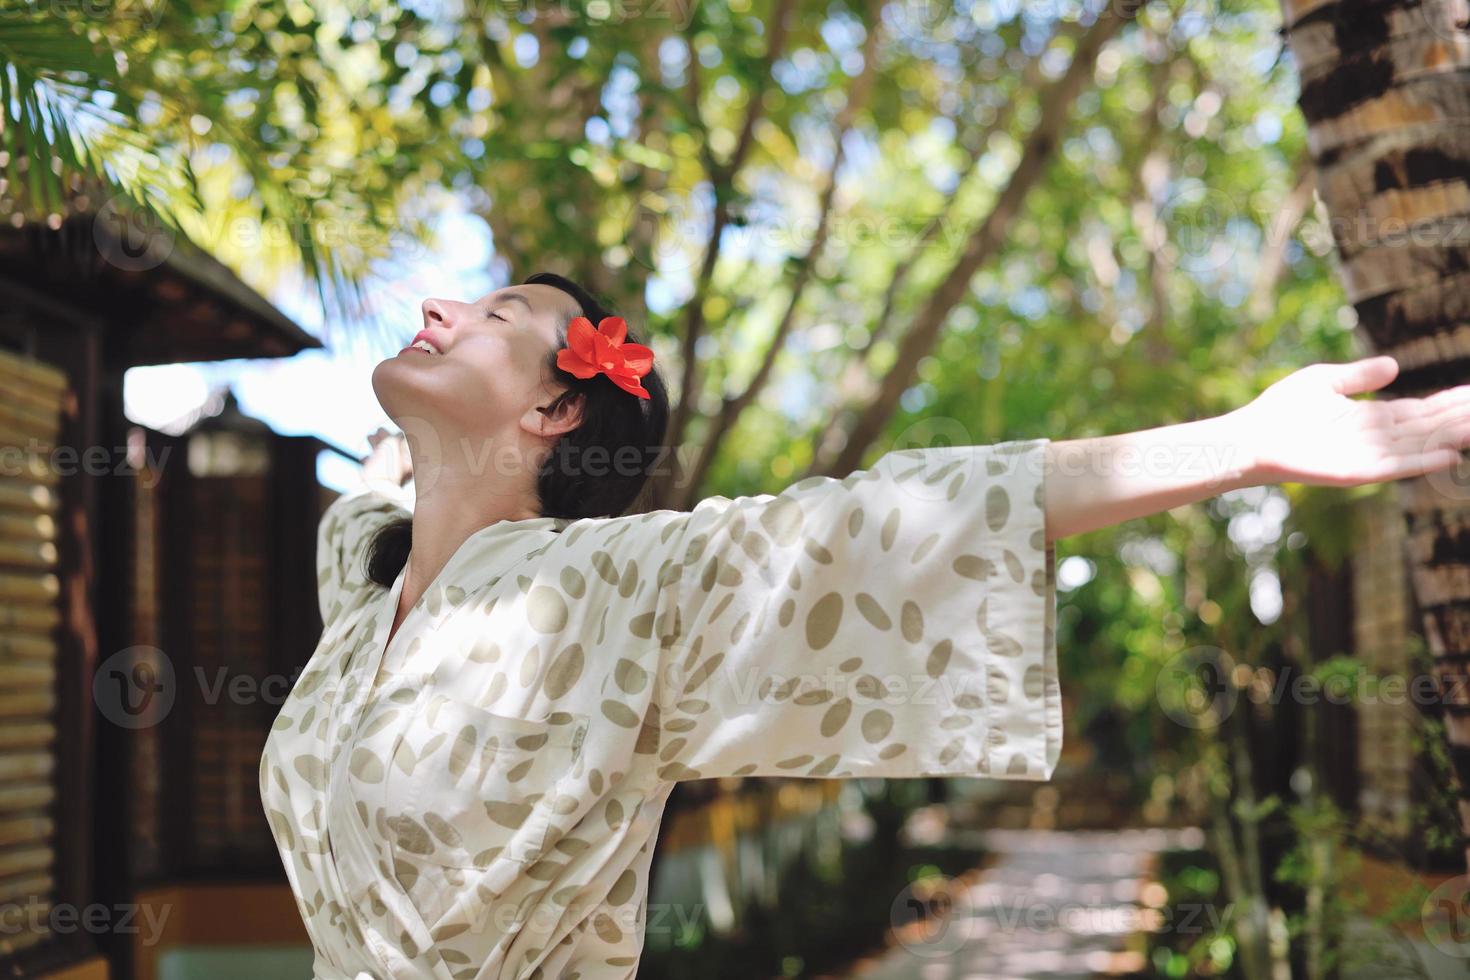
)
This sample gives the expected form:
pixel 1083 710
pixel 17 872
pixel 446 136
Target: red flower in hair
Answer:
pixel 589 351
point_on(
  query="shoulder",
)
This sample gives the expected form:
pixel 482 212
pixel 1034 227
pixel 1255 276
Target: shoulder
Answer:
pixel 628 534
pixel 360 504
pixel 346 527
pixel 613 569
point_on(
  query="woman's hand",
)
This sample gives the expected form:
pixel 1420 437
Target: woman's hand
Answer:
pixel 389 460
pixel 1306 429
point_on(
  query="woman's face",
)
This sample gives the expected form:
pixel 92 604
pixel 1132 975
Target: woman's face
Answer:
pixel 489 375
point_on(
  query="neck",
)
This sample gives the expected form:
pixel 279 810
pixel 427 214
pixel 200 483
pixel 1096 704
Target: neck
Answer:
pixel 451 502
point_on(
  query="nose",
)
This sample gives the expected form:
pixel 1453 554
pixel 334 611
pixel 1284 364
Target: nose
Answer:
pixel 435 313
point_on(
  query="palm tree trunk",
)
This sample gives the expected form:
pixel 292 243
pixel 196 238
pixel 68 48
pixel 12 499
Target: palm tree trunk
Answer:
pixel 1385 90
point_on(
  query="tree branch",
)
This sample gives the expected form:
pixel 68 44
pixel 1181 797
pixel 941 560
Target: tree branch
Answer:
pixel 732 407
pixel 855 374
pixel 722 177
pixel 983 244
pixel 1272 262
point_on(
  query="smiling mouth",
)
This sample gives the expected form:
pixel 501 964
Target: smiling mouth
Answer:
pixel 423 345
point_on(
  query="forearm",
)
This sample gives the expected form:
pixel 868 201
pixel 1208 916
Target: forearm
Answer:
pixel 1106 480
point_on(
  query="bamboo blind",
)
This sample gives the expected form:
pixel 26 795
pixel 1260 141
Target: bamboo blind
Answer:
pixel 30 423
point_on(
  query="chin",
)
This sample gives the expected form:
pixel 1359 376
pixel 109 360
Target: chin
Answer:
pixel 430 406
pixel 402 391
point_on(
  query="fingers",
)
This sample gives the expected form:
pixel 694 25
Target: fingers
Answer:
pixel 1449 397
pixel 1449 407
pixel 1449 429
pixel 1410 455
pixel 1399 466
pixel 1368 374
pixel 1417 464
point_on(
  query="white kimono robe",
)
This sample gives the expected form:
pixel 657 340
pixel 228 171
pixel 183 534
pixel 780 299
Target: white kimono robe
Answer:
pixel 488 809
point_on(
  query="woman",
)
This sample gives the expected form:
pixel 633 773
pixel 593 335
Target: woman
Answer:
pixel 467 778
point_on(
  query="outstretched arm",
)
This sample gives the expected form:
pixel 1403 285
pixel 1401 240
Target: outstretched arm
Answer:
pixel 1305 428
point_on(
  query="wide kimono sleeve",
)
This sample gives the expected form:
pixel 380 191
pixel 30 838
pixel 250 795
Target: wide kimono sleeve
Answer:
pixel 899 622
pixel 342 539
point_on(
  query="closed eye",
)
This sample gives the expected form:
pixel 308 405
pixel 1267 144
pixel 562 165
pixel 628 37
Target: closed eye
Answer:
pixel 497 316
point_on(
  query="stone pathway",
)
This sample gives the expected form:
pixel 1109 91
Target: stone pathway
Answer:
pixel 1054 904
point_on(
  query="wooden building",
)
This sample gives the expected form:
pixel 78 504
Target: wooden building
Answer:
pixel 118 578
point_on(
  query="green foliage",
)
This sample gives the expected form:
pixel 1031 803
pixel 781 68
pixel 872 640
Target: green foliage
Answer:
pixel 1436 808
pixel 833 905
pixel 267 133
pixel 1321 861
pixel 596 138
pixel 1192 883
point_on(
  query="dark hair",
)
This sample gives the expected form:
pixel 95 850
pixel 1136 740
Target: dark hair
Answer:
pixel 597 469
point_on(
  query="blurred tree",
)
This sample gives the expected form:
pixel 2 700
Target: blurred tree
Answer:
pixel 1384 90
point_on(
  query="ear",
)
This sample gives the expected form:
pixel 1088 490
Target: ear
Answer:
pixel 547 420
